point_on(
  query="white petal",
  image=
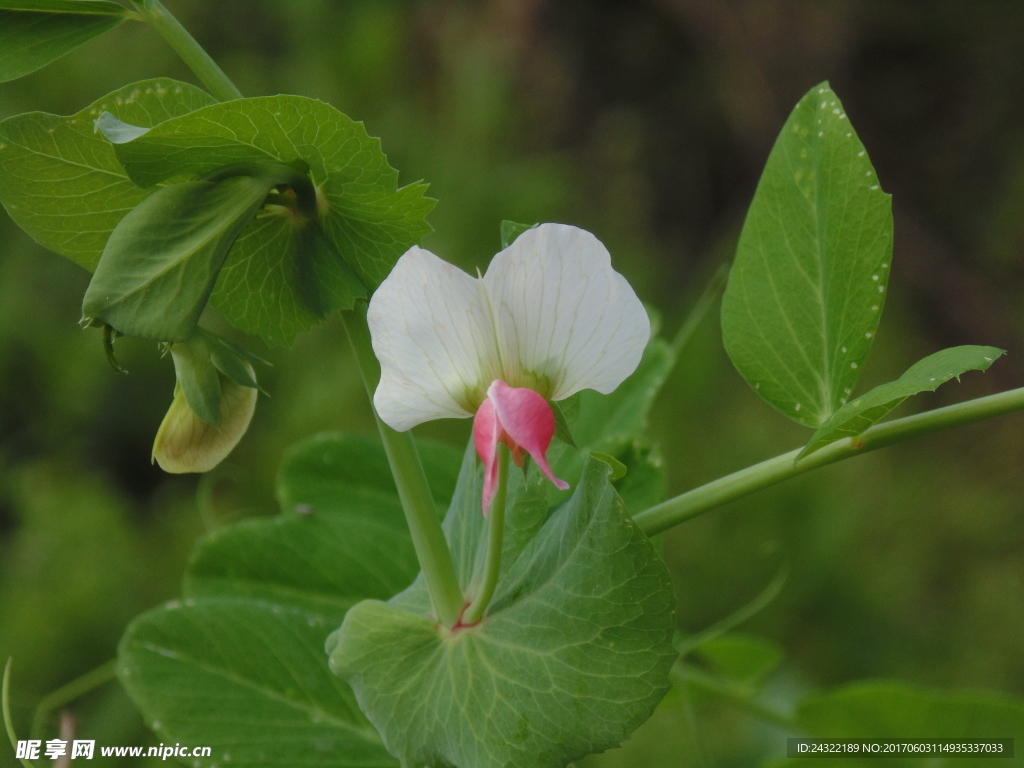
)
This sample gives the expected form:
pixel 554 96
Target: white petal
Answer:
pixel 432 333
pixel 565 319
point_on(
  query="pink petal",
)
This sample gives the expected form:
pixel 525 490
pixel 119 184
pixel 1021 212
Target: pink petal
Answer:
pixel 486 433
pixel 526 418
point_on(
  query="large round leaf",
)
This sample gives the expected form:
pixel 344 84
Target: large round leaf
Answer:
pixel 572 655
pixel 368 219
pixel 60 180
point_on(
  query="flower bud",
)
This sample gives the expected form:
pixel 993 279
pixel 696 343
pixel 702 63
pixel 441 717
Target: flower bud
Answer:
pixel 186 443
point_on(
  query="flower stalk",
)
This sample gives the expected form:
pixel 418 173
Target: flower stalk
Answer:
pixel 413 491
pixel 198 60
pixel 495 541
pixel 739 484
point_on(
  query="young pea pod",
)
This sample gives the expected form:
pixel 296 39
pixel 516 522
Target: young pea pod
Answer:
pixel 214 401
pixel 186 443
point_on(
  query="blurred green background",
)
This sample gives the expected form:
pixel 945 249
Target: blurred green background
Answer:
pixel 647 123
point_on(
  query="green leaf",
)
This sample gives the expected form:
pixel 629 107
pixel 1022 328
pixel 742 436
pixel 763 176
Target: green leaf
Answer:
pixel 35 32
pixel 619 469
pixel 924 376
pixel 60 180
pixel 322 562
pixel 624 412
pixel 881 709
pixel 162 260
pixel 572 655
pixel 231 359
pixel 239 664
pixel 644 483
pixel 894 710
pixel 812 265
pixel 330 471
pixel 341 538
pixel 562 430
pixel 216 340
pixel 664 741
pixel 249 679
pixel 741 657
pixel 265 284
pixel 510 230
pixel 198 378
pixel 316 279
pixel 615 425
pixel 364 214
pixel 325 281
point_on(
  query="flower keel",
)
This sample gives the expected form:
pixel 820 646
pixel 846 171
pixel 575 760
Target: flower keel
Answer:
pixel 522 420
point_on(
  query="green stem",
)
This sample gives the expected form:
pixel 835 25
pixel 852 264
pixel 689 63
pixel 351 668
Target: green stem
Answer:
pixel 495 540
pixel 684 674
pixel 739 484
pixel 707 298
pixel 5 705
pixel 686 644
pixel 198 60
pixel 417 502
pixel 68 693
pixel 699 744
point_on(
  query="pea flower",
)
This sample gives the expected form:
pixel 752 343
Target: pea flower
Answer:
pixel 548 319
